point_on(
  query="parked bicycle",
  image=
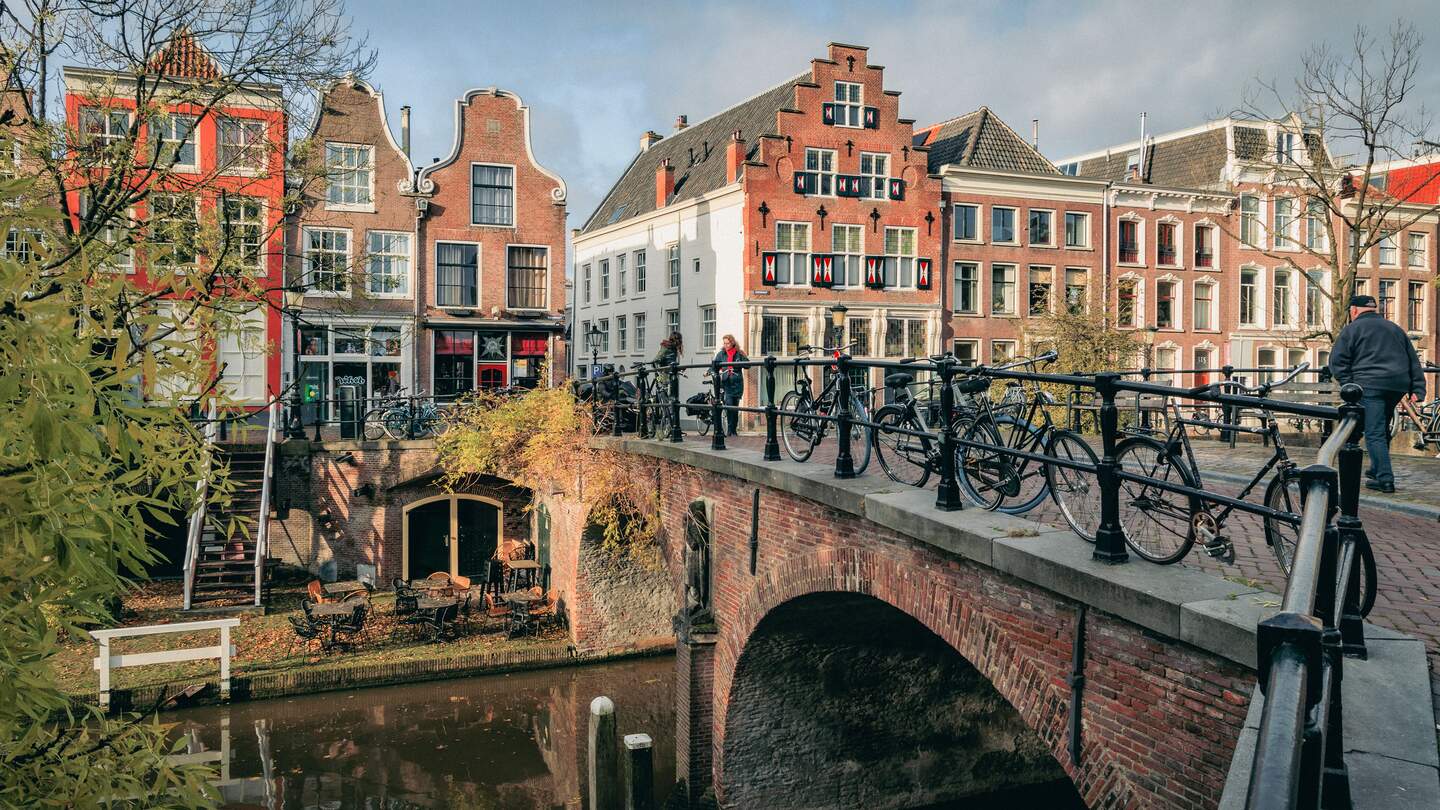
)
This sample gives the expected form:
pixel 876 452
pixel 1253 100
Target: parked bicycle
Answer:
pixel 905 435
pixel 401 417
pixel 809 417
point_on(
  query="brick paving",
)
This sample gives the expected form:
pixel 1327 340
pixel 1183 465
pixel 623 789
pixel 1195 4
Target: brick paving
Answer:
pixel 1404 531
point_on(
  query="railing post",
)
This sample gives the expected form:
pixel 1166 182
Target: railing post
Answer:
pixel 772 435
pixel 1227 411
pixel 947 495
pixel 410 417
pixel 615 403
pixel 675 435
pixel 319 417
pixel 1348 467
pixel 717 412
pixel 1142 411
pixel 1110 537
pixel 642 424
pixel 844 462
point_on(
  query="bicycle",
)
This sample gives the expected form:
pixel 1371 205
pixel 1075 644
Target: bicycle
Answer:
pixel 806 418
pixel 373 425
pixel 908 458
pixel 393 416
pixel 699 406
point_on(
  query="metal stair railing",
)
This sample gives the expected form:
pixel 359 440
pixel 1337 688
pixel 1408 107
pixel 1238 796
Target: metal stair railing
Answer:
pixel 267 486
pixel 197 514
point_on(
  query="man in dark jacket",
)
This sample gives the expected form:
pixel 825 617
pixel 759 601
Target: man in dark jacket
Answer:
pixel 1376 354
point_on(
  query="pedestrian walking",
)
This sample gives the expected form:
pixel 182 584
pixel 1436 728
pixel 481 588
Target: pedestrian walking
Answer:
pixel 732 380
pixel 1377 355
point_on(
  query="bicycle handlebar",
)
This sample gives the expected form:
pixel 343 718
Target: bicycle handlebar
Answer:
pixel 1261 390
pixel 809 348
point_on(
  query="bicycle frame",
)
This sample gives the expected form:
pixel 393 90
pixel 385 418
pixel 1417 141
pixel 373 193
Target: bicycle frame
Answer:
pixel 1177 434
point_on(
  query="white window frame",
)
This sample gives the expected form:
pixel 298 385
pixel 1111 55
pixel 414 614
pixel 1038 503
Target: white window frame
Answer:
pixel 549 278
pixel 1387 236
pixel 622 333
pixel 1424 262
pixel 878 184
pixel 1011 354
pixel 1317 238
pixel 514 194
pixel 824 180
pixel 977 294
pixel 604 279
pixel 708 321
pixel 849 105
pixel 641 271
pixel 1259 221
pixel 586 282
pixel 263 232
pixel 1214 240
pixel 798 266
pixel 306 251
pixel 1424 324
pixel 901 258
pixel 640 325
pixel 1211 323
pixel 1055 285
pixel 858 257
pixel 1291 308
pixel 1179 242
pixel 158 138
pixel 1394 316
pixel 1285 235
pixel 1029 234
pixel 152 261
pixel 1084 229
pixel 1177 306
pixel 368 204
pixel 1321 299
pixel 1085 298
pixel 977 239
pixel 974 343
pixel 118 261
pixel 1014 289
pixel 620 273
pixel 1261 297
pixel 1160 373
pixel 109 116
pixel 672 267
pixel 1140 319
pixel 479 266
pixel 1014 224
pixel 246 126
pixel 408 257
pixel 1139 240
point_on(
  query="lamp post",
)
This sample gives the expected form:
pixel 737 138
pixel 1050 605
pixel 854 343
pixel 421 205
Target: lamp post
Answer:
pixel 837 321
pixel 293 301
pixel 592 339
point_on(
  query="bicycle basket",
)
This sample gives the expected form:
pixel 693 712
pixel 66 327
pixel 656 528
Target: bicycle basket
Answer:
pixel 698 406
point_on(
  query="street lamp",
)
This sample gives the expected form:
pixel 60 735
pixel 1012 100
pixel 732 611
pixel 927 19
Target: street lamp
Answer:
pixel 837 321
pixel 294 299
pixel 592 339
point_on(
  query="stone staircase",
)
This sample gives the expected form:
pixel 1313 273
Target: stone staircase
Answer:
pixel 225 566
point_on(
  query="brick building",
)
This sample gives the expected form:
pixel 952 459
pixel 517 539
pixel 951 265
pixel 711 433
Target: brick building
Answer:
pixel 756 221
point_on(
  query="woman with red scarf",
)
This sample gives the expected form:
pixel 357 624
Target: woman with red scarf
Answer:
pixel 732 380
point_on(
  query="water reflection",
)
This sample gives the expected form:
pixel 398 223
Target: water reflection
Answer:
pixel 505 742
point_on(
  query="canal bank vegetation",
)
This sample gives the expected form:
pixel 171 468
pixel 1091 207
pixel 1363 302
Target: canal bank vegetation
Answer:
pixel 541 440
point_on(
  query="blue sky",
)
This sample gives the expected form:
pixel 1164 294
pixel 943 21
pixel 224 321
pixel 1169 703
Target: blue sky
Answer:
pixel 596 75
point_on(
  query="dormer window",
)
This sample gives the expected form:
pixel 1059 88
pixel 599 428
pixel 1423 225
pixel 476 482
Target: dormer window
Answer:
pixel 1285 144
pixel 848 103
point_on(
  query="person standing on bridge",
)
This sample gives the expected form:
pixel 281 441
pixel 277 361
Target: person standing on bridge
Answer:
pixel 1377 355
pixel 732 380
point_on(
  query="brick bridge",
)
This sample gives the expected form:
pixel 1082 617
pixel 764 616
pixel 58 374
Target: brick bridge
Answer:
pixel 870 651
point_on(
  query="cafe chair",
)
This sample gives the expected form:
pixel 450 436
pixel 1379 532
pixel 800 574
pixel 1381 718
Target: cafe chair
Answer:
pixel 306 633
pixel 348 629
pixel 315 592
pixel 406 597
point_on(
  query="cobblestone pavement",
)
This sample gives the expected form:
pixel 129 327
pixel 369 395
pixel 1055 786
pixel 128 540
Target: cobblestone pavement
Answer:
pixel 1404 531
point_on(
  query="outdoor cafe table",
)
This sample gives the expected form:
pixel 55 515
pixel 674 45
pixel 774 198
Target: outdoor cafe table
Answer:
pixel 331 613
pixel 343 587
pixel 520 603
pixel 433 605
pixel 527 567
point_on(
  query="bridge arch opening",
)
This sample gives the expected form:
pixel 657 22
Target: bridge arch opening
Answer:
pixel 840 700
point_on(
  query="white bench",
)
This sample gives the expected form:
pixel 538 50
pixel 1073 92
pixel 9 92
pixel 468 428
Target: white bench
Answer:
pixel 104 662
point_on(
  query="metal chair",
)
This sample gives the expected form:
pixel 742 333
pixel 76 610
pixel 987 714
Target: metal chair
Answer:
pixel 316 592
pixel 355 625
pixel 406 597
pixel 306 632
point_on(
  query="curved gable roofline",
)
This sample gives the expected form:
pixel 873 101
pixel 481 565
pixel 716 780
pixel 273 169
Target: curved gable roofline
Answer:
pixel 426 185
pixel 361 84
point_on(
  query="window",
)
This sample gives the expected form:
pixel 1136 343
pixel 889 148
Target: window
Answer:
pixel 1415 249
pixel 770 334
pixel 454 362
pixel 848 100
pixel 1166 361
pixel 241 144
pixel 172 141
pixel 1315 216
pixel 1076 290
pixel 604 279
pixel 621 338
pixel 695 264
pixel 327 259
pixel 244 229
pixel 797 334
pixel 1077 229
pixel 875 168
pixel 1166 251
pixel 1041 289
pixel 1127 312
pixel 1002 289
pixel 1165 304
pixel 350 170
pixel 858 333
pixel 492 195
pixel 1389 255
pixel 1284 223
pixel 967 223
pixel 1315 298
pixel 1041 232
pixel 1362 286
pixel 672 263
pixel 1415 307
pixel 457 268
pixel 113 234
pixel 707 327
pixel 1129 241
pixel 894 337
pixel 900 257
pixel 174 230
pixel 792 243
pixel 1002 351
pixel 1002 225
pixel 1294 357
pixel 1204 246
pixel 822 163
pixel 1356 238
pixel 967 352
pixel 967 288
pixel 1249 297
pixel 1267 359
pixel 1282 300
pixel 389 262
pixel 527 277
pixel 99 128
pixel 916 344
pixel 585 275
pixel 1285 143
pixel 847 243
pixel 620 274
pixel 639 331
pixel 1387 299
pixel 639 271
pixel 672 322
pixel 1204 305
pixel 604 326
pixel 1250 220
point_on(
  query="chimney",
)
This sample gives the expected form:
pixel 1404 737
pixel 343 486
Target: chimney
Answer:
pixel 664 183
pixel 405 130
pixel 1035 133
pixel 1140 158
pixel 681 122
pixel 649 139
pixel 734 156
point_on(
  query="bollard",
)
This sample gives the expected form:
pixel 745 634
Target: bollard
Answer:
pixel 603 756
pixel 1110 537
pixel 675 435
pixel 642 425
pixel 717 413
pixel 947 495
pixel 844 462
pixel 639 772
pixel 772 434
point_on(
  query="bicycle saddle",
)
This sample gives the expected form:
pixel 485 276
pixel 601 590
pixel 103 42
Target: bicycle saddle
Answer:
pixel 898 380
pixel 973 385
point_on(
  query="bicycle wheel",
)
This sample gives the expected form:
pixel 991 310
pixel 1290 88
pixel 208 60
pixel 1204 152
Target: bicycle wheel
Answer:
pixel 862 439
pixel 373 428
pixel 1283 495
pixel 1030 483
pixel 658 412
pixel 799 432
pixel 1157 522
pixel 704 420
pixel 1075 492
pixel 397 423
pixel 985 474
pixel 903 457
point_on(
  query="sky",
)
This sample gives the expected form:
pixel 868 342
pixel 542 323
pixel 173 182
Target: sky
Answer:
pixel 596 75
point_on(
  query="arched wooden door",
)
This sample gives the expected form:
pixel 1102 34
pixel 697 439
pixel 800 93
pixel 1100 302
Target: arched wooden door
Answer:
pixel 456 534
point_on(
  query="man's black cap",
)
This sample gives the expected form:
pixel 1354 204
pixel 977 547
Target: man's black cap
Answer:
pixel 1362 300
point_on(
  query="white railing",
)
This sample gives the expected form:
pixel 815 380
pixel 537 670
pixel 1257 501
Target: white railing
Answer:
pixel 104 662
pixel 262 532
pixel 197 515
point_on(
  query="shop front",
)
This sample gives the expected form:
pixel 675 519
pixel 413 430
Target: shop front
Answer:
pixel 369 361
pixel 485 359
